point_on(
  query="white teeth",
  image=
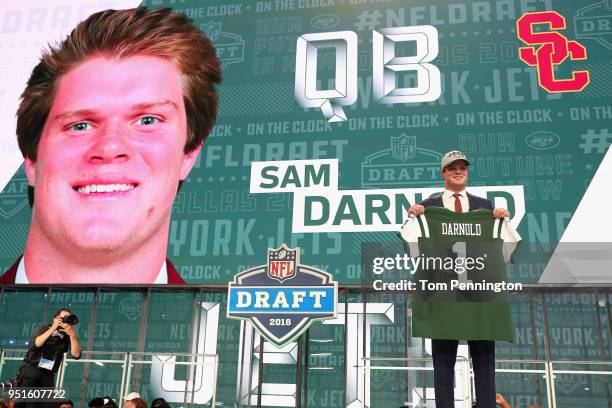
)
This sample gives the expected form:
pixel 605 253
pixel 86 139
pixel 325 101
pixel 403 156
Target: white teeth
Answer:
pixel 104 188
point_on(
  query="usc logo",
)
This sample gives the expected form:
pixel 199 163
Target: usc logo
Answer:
pixel 554 49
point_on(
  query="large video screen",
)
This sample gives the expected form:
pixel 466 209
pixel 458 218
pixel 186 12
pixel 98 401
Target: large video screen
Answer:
pixel 333 120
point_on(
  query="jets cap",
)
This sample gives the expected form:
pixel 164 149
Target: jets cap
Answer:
pixel 451 157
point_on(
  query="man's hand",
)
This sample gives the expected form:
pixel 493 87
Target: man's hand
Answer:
pixel 499 213
pixel 501 401
pixel 416 209
pixel 68 329
pixel 75 346
pixel 57 323
pixel 42 338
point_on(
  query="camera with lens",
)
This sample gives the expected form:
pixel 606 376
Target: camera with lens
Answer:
pixel 70 319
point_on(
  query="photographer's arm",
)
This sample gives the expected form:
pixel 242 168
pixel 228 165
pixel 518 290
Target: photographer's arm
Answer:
pixel 75 346
pixel 42 338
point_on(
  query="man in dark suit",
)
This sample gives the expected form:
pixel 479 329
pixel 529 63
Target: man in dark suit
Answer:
pixel 454 170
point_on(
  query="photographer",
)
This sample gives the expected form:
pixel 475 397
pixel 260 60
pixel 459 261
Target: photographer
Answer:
pixel 46 350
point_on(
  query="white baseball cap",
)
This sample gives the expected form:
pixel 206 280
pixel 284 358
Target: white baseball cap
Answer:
pixel 451 157
pixel 132 396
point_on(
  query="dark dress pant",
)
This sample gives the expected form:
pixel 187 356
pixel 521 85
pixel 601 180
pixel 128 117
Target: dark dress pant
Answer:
pixel 482 353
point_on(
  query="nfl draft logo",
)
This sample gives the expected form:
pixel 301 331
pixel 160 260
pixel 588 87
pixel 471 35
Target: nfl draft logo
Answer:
pixel 282 298
pixel 402 164
pixel 229 46
pixel 14 197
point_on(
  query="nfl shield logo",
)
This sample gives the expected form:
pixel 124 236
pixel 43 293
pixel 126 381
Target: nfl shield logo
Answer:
pixel 212 30
pixel 282 263
pixel 403 147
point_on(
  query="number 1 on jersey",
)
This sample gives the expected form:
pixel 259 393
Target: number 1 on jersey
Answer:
pixel 460 249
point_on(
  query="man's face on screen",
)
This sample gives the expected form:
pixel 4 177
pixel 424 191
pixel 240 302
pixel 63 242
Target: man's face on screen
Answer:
pixel 111 154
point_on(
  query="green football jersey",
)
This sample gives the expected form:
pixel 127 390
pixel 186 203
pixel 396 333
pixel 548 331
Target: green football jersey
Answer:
pixel 460 275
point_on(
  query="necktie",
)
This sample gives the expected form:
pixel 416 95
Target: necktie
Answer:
pixel 458 208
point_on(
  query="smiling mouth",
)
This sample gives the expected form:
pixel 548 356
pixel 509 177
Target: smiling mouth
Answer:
pixel 104 188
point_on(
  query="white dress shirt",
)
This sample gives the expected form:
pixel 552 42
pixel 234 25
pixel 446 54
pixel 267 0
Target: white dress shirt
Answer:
pixel 448 200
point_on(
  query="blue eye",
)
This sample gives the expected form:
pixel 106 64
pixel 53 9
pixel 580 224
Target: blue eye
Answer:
pixel 147 120
pixel 81 126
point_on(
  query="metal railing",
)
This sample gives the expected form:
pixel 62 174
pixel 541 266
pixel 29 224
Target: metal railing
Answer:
pixel 465 372
pixel 127 361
